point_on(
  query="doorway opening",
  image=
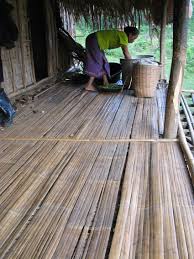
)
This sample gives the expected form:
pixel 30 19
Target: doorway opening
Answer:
pixel 37 25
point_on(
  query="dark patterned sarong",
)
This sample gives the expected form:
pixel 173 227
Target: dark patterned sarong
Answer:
pixel 96 63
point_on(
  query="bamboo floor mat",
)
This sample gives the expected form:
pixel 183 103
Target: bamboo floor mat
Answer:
pixel 59 201
pixel 156 216
pixel 72 113
pixel 63 199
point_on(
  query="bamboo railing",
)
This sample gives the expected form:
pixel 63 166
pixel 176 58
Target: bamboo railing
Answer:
pixel 186 129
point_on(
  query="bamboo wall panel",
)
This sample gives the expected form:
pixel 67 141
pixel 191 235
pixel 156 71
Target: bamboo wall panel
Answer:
pixel 52 41
pixel 17 62
pixel 12 61
pixel 8 83
pixel 67 20
pixel 26 45
pixel 16 54
pixel 12 69
pixel 68 23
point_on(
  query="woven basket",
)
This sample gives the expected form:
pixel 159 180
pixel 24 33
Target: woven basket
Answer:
pixel 145 79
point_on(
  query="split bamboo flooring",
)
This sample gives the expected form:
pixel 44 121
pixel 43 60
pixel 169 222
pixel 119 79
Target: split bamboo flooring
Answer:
pixel 73 184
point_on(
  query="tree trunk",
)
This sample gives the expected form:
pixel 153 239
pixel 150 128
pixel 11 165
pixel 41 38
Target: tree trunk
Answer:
pixel 180 31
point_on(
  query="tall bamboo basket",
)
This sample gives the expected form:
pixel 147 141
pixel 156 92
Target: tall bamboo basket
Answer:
pixel 145 79
pixel 127 67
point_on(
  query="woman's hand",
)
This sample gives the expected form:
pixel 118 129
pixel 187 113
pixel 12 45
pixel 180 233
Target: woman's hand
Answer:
pixel 126 52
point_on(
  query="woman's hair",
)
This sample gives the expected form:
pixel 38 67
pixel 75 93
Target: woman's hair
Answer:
pixel 131 30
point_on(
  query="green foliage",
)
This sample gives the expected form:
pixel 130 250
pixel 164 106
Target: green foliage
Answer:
pixel 145 44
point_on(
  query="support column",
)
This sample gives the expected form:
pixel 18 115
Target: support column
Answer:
pixel 163 38
pixel 52 41
pixel 180 31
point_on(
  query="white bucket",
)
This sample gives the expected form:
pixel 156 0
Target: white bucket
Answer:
pixel 149 57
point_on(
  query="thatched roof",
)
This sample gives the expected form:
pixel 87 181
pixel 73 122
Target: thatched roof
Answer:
pixel 117 11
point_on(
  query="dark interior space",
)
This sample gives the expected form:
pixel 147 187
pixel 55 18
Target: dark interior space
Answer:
pixel 37 24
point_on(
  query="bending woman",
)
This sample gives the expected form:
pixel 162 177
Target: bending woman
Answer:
pixel 97 65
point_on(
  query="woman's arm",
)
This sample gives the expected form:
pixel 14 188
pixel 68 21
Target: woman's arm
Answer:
pixel 126 52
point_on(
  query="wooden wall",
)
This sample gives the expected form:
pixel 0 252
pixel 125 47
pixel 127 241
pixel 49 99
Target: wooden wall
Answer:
pixel 18 64
pixel 67 23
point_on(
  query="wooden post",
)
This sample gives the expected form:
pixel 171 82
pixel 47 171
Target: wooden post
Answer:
pixel 52 42
pixel 163 38
pixel 180 31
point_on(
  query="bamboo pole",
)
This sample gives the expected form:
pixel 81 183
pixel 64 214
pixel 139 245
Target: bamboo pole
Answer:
pixel 162 39
pixel 187 151
pixel 188 91
pixel 91 140
pixel 188 116
pixel 180 28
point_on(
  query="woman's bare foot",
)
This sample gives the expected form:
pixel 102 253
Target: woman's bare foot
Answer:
pixel 91 88
pixel 105 80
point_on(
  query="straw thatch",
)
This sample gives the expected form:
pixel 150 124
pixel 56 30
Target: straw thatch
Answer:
pixel 117 12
